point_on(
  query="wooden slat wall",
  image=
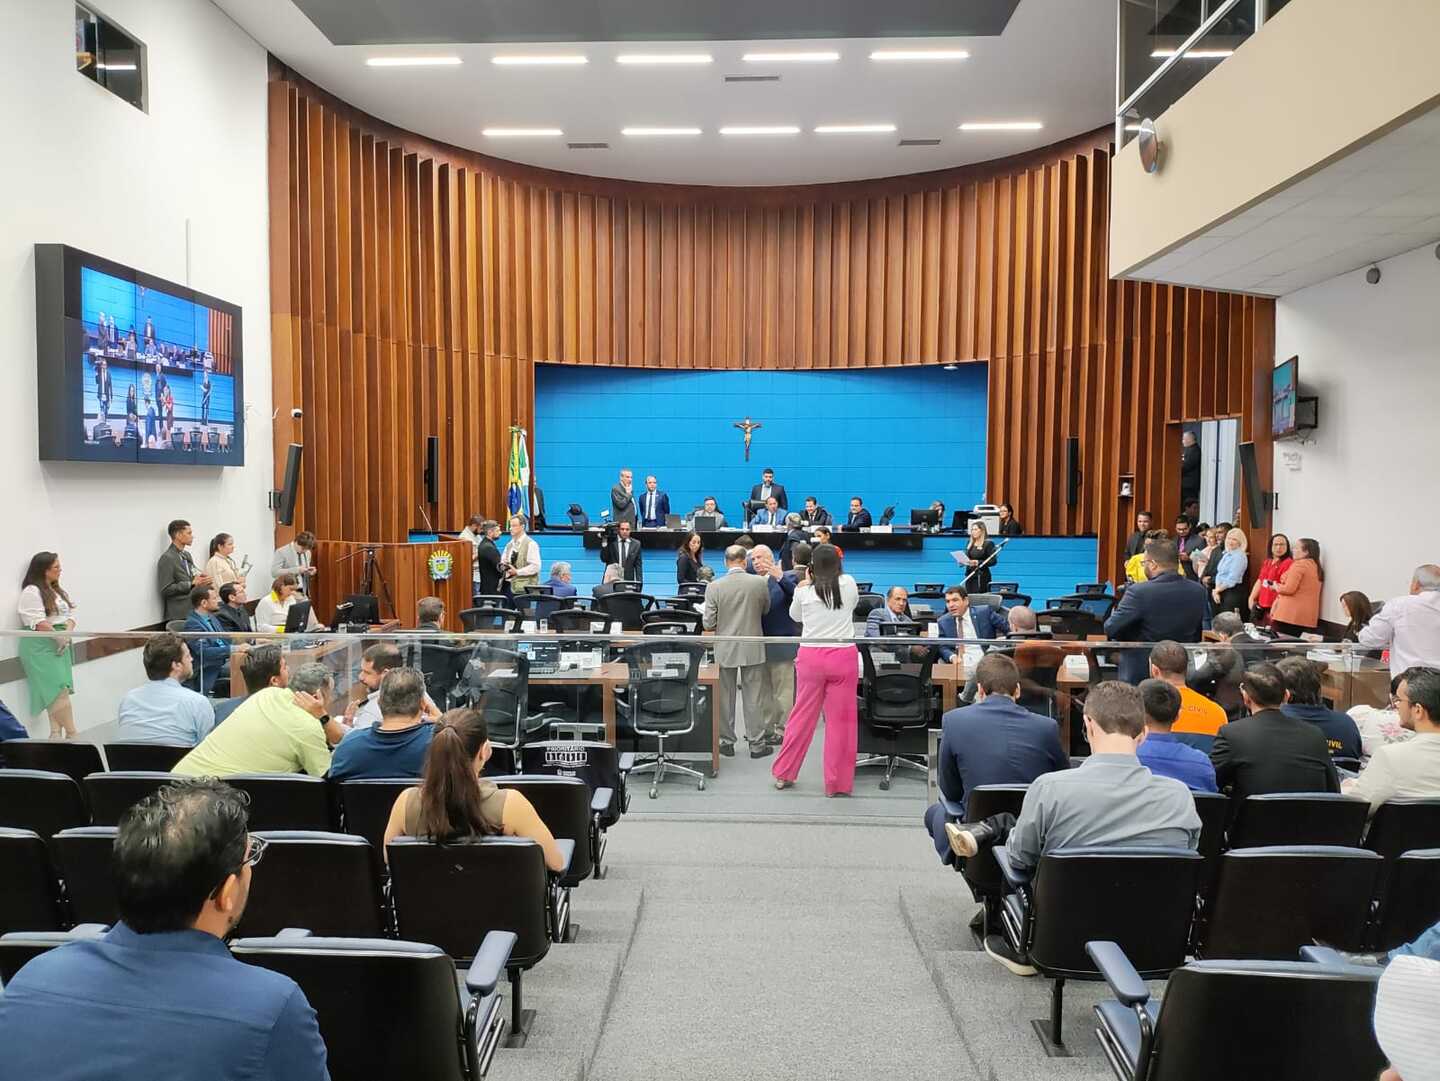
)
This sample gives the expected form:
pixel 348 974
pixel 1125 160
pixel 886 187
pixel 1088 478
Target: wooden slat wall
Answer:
pixel 406 571
pixel 415 285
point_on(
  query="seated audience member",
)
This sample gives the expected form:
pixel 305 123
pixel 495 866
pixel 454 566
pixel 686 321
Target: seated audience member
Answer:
pixel 608 579
pixel 1022 620
pixel 1160 751
pixel 1404 1022
pixel 814 513
pixel 1302 680
pixel 261 666
pixel 894 610
pixel 209 648
pixel 967 621
pixel 1380 725
pixel 233 615
pixel 396 746
pixel 453 801
pixel 274 607
pixel 277 730
pixel 1270 751
pixel 430 615
pixel 158 995
pixel 560 580
pixel 1169 662
pixel 163 710
pixel 1410 769
pixel 1427 944
pixel 1110 800
pixel 1218 679
pixel 1358 613
pixel 374 663
pixel 711 508
pixel 1164 607
pixel 1409 626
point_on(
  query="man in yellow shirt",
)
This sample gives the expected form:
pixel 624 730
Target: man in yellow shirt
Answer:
pixel 1199 715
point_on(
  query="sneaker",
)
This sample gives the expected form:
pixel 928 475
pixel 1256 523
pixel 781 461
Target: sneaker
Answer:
pixel 977 921
pixel 728 750
pixel 999 949
pixel 760 749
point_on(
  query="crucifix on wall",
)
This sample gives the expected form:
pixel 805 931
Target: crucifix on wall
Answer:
pixel 747 426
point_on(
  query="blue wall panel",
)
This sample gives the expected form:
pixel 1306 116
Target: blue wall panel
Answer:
pixel 902 436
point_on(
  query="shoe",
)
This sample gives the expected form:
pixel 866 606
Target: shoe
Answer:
pixel 761 749
pixel 782 784
pixel 728 750
pixel 977 921
pixel 999 949
pixel 968 839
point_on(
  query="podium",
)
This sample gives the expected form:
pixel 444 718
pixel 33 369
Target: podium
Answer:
pixel 400 576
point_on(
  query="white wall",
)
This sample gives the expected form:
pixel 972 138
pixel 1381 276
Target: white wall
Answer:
pixel 82 167
pixel 1366 487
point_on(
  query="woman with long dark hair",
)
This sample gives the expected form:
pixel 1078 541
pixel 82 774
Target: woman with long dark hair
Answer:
pixel 689 559
pixel 1297 608
pixel 1358 611
pixel 1009 524
pixel 1262 593
pixel 221 566
pixel 453 802
pixel 45 606
pixel 826 671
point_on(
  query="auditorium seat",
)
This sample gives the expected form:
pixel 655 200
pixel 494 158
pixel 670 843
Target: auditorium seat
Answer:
pixel 569 810
pixel 538 606
pixel 365 806
pixel 443 666
pixel 694 590
pixel 1004 587
pixel 70 757
pixel 372 1032
pixel 689 619
pixel 111 794
pixel 579 621
pixel 41 800
pixel 865 587
pixel 1213 809
pixel 1298 818
pixel 1278 1020
pixel 628 609
pixel 1141 898
pixel 83 856
pixel 896 702
pixel 598 764
pixel 327 883
pixel 1012 600
pixel 1270 901
pixel 1410 899
pixel 144 756
pixel 285 801
pixel 1401 825
pixel 18 948
pixel 29 898
pixel 981 873
pixel 1068 623
pixel 491 620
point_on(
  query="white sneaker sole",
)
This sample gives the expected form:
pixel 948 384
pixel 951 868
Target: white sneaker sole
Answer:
pixel 962 842
pixel 1014 966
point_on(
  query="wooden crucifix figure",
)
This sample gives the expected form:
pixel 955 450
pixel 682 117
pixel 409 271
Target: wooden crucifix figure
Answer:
pixel 747 426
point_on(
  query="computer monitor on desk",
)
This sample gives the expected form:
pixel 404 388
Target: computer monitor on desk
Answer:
pixel 926 516
pixel 298 617
pixel 706 523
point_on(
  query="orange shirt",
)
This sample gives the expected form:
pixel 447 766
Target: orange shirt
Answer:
pixel 1198 714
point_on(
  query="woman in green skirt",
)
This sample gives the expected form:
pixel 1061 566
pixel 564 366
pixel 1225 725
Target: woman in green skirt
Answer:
pixel 45 606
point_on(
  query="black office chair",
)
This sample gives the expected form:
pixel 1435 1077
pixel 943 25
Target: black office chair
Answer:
pixel 160 757
pixel 579 621
pixel 497 683
pixel 83 857
pixel 627 608
pixel 1141 898
pixel 40 800
pixel 931 601
pixel 866 604
pixel 570 811
pixel 662 702
pixel 491 620
pixel 1071 623
pixel 286 801
pixel 1280 1020
pixel 1298 818
pixel 1410 901
pixel 374 1033
pixel 492 600
pixel 74 759
pixel 454 895
pixel 897 701
pixel 1063 602
pixel 1099 605
pixel 365 806
pixel 364 608
pixel 628 585
pixel 30 900
pixel 865 587
pixel 327 883
pixel 887 516
pixel 691 621
pixel 1214 811
pixel 443 665
pixel 1270 901
pixel 110 795
pixel 692 589
pixel 928 587
pixel 538 606
pixel 1012 600
pixel 1092 587
pixel 981 873
pixel 1004 587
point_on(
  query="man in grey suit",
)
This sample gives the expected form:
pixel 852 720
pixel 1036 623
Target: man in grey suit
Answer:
pixel 297 558
pixel 176 574
pixel 734 605
pixel 622 499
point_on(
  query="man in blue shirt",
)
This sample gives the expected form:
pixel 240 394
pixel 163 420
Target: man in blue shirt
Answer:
pixel 212 654
pixel 396 746
pixel 1302 680
pixel 561 583
pixel 158 997
pixel 162 710
pixel 1161 751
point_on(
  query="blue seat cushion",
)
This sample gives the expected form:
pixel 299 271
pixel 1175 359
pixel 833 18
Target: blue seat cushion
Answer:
pixel 1122 1023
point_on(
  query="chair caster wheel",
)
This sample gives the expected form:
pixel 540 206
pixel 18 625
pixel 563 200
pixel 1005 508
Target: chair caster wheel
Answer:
pixel 884 786
pixel 653 793
pixel 702 784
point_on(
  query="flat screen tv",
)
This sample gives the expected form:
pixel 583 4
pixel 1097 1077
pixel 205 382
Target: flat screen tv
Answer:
pixel 134 368
pixel 1284 398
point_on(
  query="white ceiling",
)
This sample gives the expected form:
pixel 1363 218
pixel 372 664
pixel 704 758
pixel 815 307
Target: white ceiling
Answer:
pixel 1377 201
pixel 1054 63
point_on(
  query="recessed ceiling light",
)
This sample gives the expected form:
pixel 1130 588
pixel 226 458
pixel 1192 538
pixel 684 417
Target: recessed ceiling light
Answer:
pixel 853 129
pixel 1002 125
pixel 659 131
pixel 413 61
pixel 664 58
pixel 521 133
pixel 752 129
pixel 919 54
pixel 551 60
pixel 1194 54
pixel 791 58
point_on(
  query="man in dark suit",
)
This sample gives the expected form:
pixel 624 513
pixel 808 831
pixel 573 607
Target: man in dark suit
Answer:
pixel 607 582
pixel 1136 541
pixel 430 615
pixel 767 487
pixel 894 610
pixel 859 516
pixel 1269 751
pixel 233 615
pixel 963 620
pixel 176 574
pixel 624 551
pixel 1164 606
pixel 211 654
pixel 654 505
pixel 622 498
pixel 1189 468
pixel 487 559
pixel 814 513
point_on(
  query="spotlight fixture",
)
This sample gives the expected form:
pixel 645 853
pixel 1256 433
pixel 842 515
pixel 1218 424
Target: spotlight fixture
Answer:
pixel 1373 275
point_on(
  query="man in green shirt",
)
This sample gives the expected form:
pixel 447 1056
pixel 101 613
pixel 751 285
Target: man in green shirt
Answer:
pixel 276 730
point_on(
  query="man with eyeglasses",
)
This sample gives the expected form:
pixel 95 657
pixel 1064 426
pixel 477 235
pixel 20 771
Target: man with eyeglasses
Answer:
pixel 158 996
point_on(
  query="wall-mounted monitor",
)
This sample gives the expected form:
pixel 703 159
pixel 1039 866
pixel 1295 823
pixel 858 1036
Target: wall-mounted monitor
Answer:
pixel 134 368
pixel 1290 411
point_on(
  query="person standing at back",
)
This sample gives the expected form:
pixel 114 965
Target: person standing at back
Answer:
pixel 654 505
pixel 297 558
pixel 520 561
pixel 1297 604
pixel 1409 626
pixel 735 603
pixel 767 489
pixel 1270 751
pixel 622 498
pixel 1262 593
pixel 1164 606
pixel 175 572
pixel 48 662
pixel 778 692
pixel 1189 468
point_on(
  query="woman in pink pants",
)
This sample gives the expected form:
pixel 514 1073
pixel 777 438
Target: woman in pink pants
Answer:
pixel 826 672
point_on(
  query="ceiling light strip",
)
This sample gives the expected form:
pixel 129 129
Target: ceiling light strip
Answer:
pixel 643 131
pixel 791 58
pixel 760 129
pixel 1002 125
pixel 919 54
pixel 854 129
pixel 552 60
pixel 413 61
pixel 521 133
pixel 664 58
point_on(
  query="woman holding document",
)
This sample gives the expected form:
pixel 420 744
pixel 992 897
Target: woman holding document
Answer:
pixel 979 557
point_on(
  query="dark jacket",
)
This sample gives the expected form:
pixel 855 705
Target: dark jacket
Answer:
pixel 1190 471
pixel 860 519
pixel 1012 528
pixel 211 655
pixel 776 623
pixel 686 568
pixel 1135 544
pixel 1272 752
pixel 1164 607
pixel 174 577
pixel 989 623
pixel 777 490
pixel 235 618
pixel 632 565
pixel 488 557
pixel 1342 737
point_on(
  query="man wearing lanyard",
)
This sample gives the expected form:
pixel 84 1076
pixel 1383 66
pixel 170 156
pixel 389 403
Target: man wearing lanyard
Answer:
pixel 654 506
pixel 175 572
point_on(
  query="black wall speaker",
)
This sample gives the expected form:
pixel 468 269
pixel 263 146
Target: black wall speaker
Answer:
pixel 432 469
pixel 1072 471
pixel 1257 499
pixel 292 484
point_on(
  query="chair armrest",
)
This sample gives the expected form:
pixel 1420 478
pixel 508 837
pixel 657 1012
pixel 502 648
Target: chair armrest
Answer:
pixel 627 762
pixel 600 800
pixel 293 932
pixel 952 809
pixel 567 850
pixel 1119 973
pixel 1322 955
pixel 1013 878
pixel 490 961
pixel 88 930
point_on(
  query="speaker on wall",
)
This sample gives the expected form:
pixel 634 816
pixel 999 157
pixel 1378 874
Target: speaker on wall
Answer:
pixel 292 484
pixel 1257 499
pixel 432 469
pixel 1072 471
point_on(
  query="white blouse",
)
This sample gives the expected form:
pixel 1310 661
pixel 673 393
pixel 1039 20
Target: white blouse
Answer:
pixel 32 608
pixel 270 613
pixel 818 620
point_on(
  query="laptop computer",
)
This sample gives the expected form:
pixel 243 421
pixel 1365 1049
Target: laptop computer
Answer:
pixel 298 617
pixel 706 523
pixel 672 521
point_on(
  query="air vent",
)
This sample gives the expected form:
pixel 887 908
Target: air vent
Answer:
pixel 752 78
pixel 919 142
pixel 588 146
